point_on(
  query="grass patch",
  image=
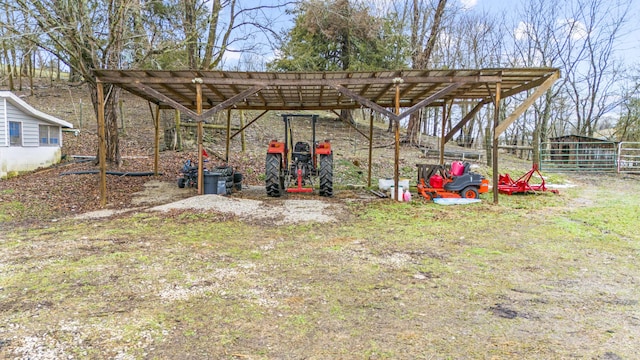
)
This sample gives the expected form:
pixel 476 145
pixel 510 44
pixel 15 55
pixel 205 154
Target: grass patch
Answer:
pixel 395 280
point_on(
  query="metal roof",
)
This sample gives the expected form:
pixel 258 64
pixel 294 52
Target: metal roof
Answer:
pixel 321 90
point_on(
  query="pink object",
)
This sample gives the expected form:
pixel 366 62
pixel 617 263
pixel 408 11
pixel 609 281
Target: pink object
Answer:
pixel 436 181
pixel 457 168
pixel 406 196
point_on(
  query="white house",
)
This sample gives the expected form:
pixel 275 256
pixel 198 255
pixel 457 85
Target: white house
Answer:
pixel 29 139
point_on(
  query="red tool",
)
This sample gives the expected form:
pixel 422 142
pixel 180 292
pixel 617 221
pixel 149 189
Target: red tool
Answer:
pixel 300 189
pixel 507 185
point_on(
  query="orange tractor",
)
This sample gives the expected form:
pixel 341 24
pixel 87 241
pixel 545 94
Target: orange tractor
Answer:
pixel 293 168
pixel 438 181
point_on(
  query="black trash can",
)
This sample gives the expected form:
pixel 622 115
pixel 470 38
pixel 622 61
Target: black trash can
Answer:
pixel 211 182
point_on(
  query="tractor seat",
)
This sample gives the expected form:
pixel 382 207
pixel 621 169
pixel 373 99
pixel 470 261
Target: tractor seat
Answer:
pixel 301 152
pixel 301 147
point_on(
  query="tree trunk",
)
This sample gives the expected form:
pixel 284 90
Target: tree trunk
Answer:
pixel 421 59
pixel 112 95
pixel 191 33
pixel 211 39
pixel 9 70
pixel 535 144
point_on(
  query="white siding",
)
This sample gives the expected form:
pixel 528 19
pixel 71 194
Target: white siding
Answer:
pixel 30 125
pixel 3 123
pixel 17 159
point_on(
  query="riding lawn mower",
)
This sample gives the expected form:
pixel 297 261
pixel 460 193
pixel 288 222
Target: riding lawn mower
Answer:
pixel 455 181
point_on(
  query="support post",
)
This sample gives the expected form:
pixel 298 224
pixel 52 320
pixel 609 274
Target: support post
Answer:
pixel 370 147
pixel 102 151
pixel 156 152
pixel 226 156
pixel 443 132
pixel 178 144
pixel 494 155
pixel 242 137
pixel 199 135
pixel 396 165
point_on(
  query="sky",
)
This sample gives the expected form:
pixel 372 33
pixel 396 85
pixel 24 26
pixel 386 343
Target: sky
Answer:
pixel 628 46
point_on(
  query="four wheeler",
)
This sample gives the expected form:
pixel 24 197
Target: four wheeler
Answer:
pixel 292 168
pixel 188 175
pixel 438 181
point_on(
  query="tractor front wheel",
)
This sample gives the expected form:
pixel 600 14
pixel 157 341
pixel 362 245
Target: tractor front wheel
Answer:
pixel 326 175
pixel 273 184
pixel 469 192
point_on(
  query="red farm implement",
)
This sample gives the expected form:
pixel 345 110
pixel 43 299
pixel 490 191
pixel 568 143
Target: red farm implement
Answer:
pixel 506 185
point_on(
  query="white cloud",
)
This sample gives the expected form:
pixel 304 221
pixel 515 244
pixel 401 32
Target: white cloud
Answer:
pixel 468 4
pixel 574 28
pixel 522 31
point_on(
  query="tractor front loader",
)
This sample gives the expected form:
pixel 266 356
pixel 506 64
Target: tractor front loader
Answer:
pixel 293 168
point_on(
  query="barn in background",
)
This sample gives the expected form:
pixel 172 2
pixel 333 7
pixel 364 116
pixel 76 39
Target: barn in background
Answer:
pixel 29 139
pixel 578 153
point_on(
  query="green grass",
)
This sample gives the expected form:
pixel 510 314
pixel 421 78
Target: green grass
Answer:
pixel 395 280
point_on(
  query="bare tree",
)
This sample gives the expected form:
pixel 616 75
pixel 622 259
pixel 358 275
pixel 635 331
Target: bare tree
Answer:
pixel 579 39
pixel 422 46
pixel 591 84
pixel 93 34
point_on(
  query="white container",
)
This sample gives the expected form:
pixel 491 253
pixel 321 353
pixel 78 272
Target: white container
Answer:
pixel 393 193
pixel 385 184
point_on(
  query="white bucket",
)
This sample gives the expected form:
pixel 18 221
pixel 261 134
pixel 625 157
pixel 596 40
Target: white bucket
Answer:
pixel 393 192
pixel 385 184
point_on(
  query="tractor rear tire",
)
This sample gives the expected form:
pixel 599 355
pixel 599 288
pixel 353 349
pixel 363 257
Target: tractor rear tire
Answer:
pixel 272 175
pixel 470 192
pixel 326 175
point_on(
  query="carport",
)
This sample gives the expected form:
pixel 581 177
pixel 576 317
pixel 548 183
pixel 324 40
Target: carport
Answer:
pixel 394 94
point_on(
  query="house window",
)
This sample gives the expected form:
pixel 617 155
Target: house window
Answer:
pixel 44 135
pixel 15 133
pixel 49 135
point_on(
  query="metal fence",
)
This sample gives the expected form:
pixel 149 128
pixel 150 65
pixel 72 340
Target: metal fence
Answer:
pixel 600 156
pixel 628 157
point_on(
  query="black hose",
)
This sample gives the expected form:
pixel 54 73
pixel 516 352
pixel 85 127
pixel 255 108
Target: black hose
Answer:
pixel 117 173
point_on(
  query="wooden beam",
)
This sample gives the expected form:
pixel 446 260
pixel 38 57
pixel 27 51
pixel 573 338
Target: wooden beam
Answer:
pixel 364 101
pixel 437 96
pixel 350 124
pixel 526 104
pixel 396 157
pixel 370 148
pixel 156 151
pixel 304 82
pixel 207 126
pixel 199 136
pixel 496 119
pixel 230 101
pixel 242 137
pixel 160 96
pixel 442 132
pixel 464 121
pixel 102 149
pixel 530 84
pixel 250 122
pixel 228 137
